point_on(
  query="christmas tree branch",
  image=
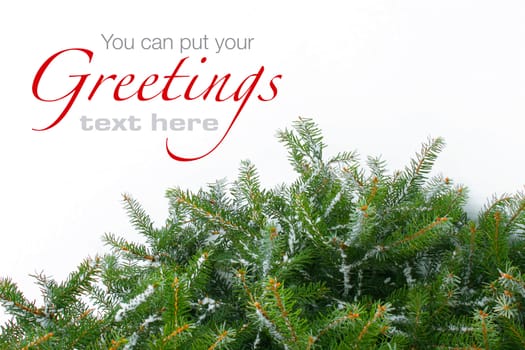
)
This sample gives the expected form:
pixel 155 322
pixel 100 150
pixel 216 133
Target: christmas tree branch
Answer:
pixel 38 341
pixel 437 222
pixel 341 231
pixel 350 316
pixel 380 312
pixel 176 332
pixel 115 344
pixel 221 338
pixel 12 297
pixel 274 286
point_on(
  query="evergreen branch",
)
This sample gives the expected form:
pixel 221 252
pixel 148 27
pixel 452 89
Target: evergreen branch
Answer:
pixel 115 344
pixel 267 321
pixel 471 248
pixel 242 275
pixel 380 312
pixel 347 158
pixel 176 333
pixel 200 212
pixel 517 333
pixel 304 213
pixel 134 249
pixel 497 219
pixel 305 149
pixel 12 297
pixel 84 314
pixel 413 177
pixel 437 222
pixel 373 192
pixel 140 220
pixel 77 283
pixel 80 336
pixel 28 309
pixel 176 287
pixel 39 341
pixel 517 213
pixel 492 205
pixel 337 223
pixel 460 194
pixel 247 186
pixel 345 269
pixel 416 306
pixel 356 176
pixel 273 286
pixel 483 316
pixel 512 278
pixel 197 266
pixel 377 166
pixel 219 340
pixel 350 316
pixel 133 303
pixel 425 159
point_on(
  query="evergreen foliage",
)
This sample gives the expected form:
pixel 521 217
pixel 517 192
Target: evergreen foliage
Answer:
pixel 344 257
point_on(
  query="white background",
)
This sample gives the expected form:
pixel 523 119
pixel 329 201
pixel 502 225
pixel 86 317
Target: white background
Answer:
pixel 377 76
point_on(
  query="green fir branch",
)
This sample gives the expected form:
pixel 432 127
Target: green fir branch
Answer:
pixel 347 256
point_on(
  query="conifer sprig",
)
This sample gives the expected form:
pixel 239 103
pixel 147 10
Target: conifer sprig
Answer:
pixel 346 256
